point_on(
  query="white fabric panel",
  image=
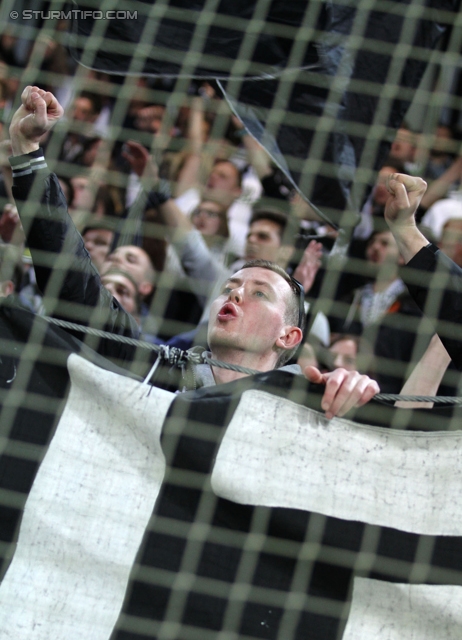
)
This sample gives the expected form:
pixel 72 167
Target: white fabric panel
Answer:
pixel 389 611
pixel 277 453
pixel 87 510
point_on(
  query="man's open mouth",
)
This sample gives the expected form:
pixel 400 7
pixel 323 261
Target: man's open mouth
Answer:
pixel 228 310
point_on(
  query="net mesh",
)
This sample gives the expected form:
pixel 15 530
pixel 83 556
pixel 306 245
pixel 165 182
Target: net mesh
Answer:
pixel 310 102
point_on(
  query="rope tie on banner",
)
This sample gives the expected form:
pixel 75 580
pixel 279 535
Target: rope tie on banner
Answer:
pixel 177 357
pixel 169 355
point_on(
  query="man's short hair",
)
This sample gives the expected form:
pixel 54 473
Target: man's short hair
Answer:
pixel 275 215
pixel 288 225
pixel 293 315
pixel 107 223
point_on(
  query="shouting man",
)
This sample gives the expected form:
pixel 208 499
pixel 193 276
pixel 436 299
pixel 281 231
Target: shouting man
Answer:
pixel 255 322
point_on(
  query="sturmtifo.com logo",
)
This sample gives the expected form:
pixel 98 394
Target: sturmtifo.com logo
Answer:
pixel 29 14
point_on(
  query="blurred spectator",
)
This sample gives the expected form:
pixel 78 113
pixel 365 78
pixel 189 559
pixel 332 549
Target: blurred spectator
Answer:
pixel 54 58
pixel 384 315
pixel 142 113
pixel 9 48
pixel 86 108
pixel 210 219
pixel 226 181
pixel 124 289
pixel 265 237
pixel 404 147
pixel 224 184
pixel 80 135
pixel 375 205
pixel 98 237
pixel 442 211
pixel 149 118
pixel 9 83
pixel 89 153
pixel 436 153
pixel 105 86
pixel 373 301
pixel 137 263
pixel 108 202
pixel 344 350
pixel 83 198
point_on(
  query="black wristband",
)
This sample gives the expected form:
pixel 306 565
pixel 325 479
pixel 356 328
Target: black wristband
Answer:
pixel 432 247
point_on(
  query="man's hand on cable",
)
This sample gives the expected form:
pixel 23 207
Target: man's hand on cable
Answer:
pixel 344 389
pixel 38 113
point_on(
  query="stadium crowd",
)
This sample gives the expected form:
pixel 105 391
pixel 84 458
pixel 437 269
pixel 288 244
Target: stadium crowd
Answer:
pixel 180 199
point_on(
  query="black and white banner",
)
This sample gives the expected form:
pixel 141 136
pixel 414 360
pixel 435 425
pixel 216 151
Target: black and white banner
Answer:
pixel 233 509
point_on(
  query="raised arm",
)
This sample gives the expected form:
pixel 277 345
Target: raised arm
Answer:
pixel 196 259
pixel 406 193
pixel 435 282
pixel 189 175
pixel 309 265
pixel 144 166
pixel 38 113
pixel 426 375
pixel 256 153
pixel 62 264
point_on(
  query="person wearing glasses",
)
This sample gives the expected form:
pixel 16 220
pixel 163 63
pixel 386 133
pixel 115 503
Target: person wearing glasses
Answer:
pixel 256 321
pixel 209 218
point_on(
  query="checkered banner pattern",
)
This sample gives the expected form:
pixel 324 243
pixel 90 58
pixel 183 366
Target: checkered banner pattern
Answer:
pixel 237 510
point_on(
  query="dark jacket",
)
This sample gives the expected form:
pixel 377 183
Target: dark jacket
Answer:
pixel 70 283
pixel 435 283
pixel 74 288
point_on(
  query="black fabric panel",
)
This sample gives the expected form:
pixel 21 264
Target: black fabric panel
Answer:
pixel 319 554
pixel 204 544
